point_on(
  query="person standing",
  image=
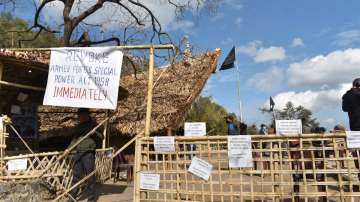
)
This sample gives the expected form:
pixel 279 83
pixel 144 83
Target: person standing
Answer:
pixel 84 153
pixel 351 105
pixel 231 126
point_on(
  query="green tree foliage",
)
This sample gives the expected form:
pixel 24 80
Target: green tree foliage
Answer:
pixel 290 112
pixel 14 29
pixel 206 110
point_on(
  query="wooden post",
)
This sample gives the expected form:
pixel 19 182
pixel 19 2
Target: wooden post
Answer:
pixel 1 72
pixel 149 92
pixel 2 145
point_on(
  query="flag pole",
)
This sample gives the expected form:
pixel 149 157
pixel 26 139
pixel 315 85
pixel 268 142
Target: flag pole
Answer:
pixel 238 92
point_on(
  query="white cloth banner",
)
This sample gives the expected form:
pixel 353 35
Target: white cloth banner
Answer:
pixel 195 129
pixel 17 164
pixel 239 151
pixel 164 144
pixel 149 181
pixel 200 168
pixel 353 139
pixel 84 77
pixel 288 127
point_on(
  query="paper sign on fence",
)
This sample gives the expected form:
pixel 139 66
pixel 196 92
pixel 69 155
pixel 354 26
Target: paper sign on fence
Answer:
pixel 200 168
pixel 239 151
pixel 288 127
pixel 84 77
pixel 353 139
pixel 195 128
pixel 149 181
pixel 164 144
pixel 17 164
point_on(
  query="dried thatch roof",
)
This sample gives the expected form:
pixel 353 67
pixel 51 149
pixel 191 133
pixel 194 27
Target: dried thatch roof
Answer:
pixel 176 87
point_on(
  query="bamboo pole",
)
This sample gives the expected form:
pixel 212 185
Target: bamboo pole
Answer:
pixel 149 93
pixel 94 172
pixel 105 132
pixel 148 46
pixel 1 72
pixel 5 83
pixel 74 146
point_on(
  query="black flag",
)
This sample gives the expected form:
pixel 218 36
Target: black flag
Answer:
pixel 272 104
pixel 229 60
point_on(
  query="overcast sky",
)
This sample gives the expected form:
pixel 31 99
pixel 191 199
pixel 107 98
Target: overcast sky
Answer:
pixel 303 51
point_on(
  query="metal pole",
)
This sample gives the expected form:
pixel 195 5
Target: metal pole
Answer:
pixel 149 92
pixel 238 89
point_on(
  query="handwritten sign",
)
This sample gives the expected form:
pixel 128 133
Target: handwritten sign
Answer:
pixel 84 77
pixel 200 168
pixel 288 127
pixel 195 128
pixel 164 144
pixel 17 164
pixel 149 181
pixel 239 151
pixel 353 139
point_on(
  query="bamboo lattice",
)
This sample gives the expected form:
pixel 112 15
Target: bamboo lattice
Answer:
pixel 286 168
pixel 59 175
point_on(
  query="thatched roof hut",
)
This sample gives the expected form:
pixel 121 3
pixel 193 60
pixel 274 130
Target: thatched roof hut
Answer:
pixel 175 89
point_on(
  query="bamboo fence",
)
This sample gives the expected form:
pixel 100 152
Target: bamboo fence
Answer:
pixel 59 176
pixel 309 167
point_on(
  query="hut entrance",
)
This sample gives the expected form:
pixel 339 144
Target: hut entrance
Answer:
pixel 285 168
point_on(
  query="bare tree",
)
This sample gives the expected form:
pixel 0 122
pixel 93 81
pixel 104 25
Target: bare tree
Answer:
pixel 137 13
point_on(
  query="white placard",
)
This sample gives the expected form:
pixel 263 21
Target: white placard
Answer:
pixel 235 162
pixel 149 181
pixel 84 77
pixel 164 144
pixel 195 129
pixel 353 139
pixel 17 164
pixel 239 151
pixel 200 168
pixel 288 127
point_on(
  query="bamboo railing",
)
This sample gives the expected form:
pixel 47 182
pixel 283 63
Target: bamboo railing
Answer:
pixel 286 168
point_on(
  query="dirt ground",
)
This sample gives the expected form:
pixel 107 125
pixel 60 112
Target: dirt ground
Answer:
pixel 114 192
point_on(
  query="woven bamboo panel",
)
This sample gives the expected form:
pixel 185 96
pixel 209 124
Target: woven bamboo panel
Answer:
pixel 59 175
pixel 286 168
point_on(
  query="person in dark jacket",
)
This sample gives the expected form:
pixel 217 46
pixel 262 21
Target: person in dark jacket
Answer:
pixel 351 105
pixel 84 153
pixel 232 128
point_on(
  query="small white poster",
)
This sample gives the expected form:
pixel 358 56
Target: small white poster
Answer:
pixel 239 151
pixel 200 168
pixel 288 127
pixel 84 77
pixel 195 128
pixel 236 162
pixel 149 181
pixel 164 144
pixel 17 164
pixel 353 139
